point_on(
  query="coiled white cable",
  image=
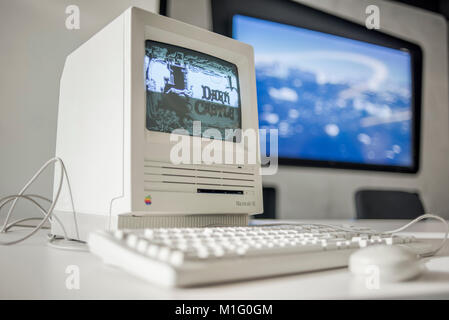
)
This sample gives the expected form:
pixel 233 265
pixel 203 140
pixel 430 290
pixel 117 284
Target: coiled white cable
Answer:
pixel 48 214
pixel 29 197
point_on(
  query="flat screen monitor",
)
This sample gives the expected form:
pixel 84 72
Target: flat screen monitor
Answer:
pixel 338 99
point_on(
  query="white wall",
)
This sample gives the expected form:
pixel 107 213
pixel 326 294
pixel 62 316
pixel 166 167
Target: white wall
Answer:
pixel 33 45
pixel 327 193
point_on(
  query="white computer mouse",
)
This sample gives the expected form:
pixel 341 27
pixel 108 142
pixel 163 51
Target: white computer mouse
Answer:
pixel 390 263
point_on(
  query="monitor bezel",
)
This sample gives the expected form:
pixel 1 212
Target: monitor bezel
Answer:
pixel 223 48
pixel 298 15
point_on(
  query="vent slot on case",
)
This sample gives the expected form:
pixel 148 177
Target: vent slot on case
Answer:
pixel 160 176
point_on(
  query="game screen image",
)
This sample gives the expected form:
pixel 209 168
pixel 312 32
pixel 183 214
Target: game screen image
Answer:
pixel 183 86
pixel 331 98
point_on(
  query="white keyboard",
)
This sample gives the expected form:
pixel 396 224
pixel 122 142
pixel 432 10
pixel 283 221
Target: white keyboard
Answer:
pixel 194 256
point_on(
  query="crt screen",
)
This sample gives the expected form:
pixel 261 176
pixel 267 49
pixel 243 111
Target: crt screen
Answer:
pixel 183 86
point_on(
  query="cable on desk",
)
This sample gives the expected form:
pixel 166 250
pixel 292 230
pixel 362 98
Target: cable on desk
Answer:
pixel 47 214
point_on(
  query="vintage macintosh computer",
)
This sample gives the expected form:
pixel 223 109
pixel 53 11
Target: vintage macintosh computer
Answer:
pixel 141 103
pixel 122 93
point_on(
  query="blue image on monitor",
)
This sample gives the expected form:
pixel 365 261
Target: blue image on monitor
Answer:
pixel 331 98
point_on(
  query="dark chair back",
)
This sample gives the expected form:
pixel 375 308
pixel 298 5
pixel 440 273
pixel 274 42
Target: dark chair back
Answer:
pixel 388 204
pixel 269 204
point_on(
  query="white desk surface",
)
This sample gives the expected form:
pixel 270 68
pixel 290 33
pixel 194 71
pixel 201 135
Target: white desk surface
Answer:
pixel 34 270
